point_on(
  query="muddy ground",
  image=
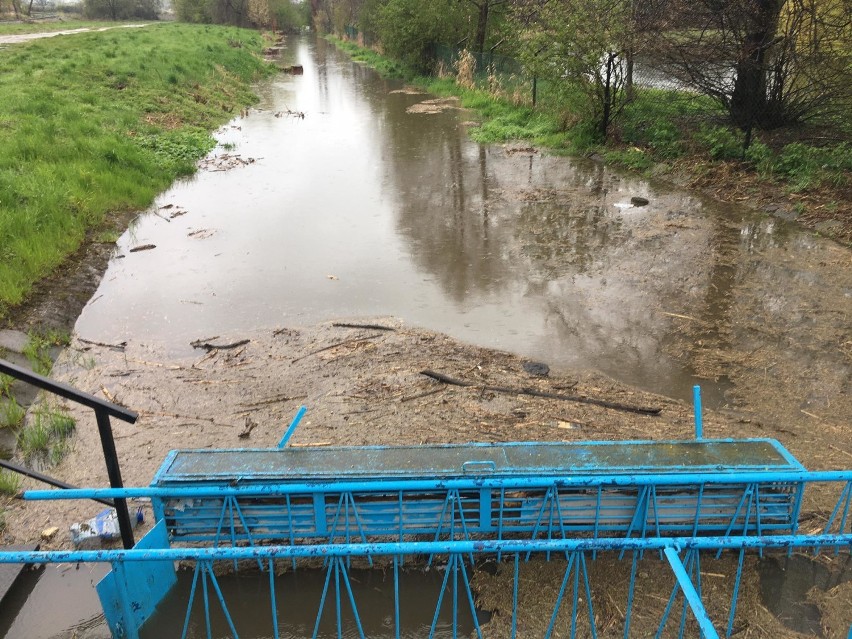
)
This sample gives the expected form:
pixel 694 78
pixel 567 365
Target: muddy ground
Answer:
pixel 365 386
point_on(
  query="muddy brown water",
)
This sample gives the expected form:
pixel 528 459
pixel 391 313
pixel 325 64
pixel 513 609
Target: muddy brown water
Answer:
pixel 297 597
pixel 366 206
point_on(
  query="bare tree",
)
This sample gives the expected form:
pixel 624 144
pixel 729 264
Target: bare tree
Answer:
pixel 769 62
pixel 579 44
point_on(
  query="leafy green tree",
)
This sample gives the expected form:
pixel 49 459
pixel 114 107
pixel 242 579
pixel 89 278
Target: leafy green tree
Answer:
pixel 409 30
pixel 581 47
pixel 290 16
pixel 122 9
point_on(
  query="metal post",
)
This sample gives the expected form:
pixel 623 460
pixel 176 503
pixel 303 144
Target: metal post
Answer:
pixel 293 425
pixel 699 423
pixel 114 473
pixel 47 479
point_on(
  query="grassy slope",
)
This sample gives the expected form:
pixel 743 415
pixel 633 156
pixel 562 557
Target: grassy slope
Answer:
pixel 667 133
pixel 101 122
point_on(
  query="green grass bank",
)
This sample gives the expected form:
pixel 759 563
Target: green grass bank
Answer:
pixel 676 135
pixel 100 123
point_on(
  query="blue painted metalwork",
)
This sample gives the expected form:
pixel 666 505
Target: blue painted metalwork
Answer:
pixel 451 491
pixel 293 426
pixel 690 593
pixel 699 418
pixel 467 503
pixel 130 593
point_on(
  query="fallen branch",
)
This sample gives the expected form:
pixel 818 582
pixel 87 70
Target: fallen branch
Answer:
pixel 273 400
pixel 117 347
pixel 328 348
pixel 377 327
pixel 537 393
pixel 207 346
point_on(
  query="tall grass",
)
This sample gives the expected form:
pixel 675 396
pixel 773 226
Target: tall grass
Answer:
pixel 11 413
pixel 45 436
pixel 10 483
pixel 102 122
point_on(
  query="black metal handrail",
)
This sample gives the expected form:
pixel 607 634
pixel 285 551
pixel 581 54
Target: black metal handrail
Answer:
pixel 47 479
pixel 103 410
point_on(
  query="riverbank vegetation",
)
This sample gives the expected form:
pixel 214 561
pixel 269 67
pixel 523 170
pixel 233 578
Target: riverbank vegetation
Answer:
pixel 99 123
pixel 748 101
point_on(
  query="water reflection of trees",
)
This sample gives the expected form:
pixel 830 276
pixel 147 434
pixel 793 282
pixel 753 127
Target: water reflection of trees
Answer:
pixel 560 237
pixel 649 295
pixel 443 187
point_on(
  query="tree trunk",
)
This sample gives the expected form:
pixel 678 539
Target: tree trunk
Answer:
pixel 482 26
pixel 606 116
pixel 628 73
pixel 748 101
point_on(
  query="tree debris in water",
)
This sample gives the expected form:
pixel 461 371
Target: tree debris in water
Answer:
pixel 207 346
pixel 295 114
pixel 143 247
pixel 377 327
pixel 116 347
pixel 224 162
pixel 201 234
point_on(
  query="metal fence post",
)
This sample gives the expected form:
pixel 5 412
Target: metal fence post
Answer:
pixel 114 472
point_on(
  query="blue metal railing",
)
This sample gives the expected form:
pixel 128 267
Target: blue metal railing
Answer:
pixel 682 554
pixel 456 538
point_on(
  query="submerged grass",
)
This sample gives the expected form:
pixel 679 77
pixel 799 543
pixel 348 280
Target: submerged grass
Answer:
pixel 102 122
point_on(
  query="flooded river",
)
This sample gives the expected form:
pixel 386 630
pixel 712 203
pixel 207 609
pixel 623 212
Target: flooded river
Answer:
pixel 335 198
pixel 364 208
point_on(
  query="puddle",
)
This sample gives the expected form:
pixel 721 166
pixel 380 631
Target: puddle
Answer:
pixel 74 609
pixel 298 596
pixel 53 602
pixel 786 582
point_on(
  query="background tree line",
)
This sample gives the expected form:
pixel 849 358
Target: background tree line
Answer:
pixel 769 63
pixel 284 15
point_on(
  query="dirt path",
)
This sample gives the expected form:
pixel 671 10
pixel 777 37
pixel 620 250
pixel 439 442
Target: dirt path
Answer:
pixel 26 37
